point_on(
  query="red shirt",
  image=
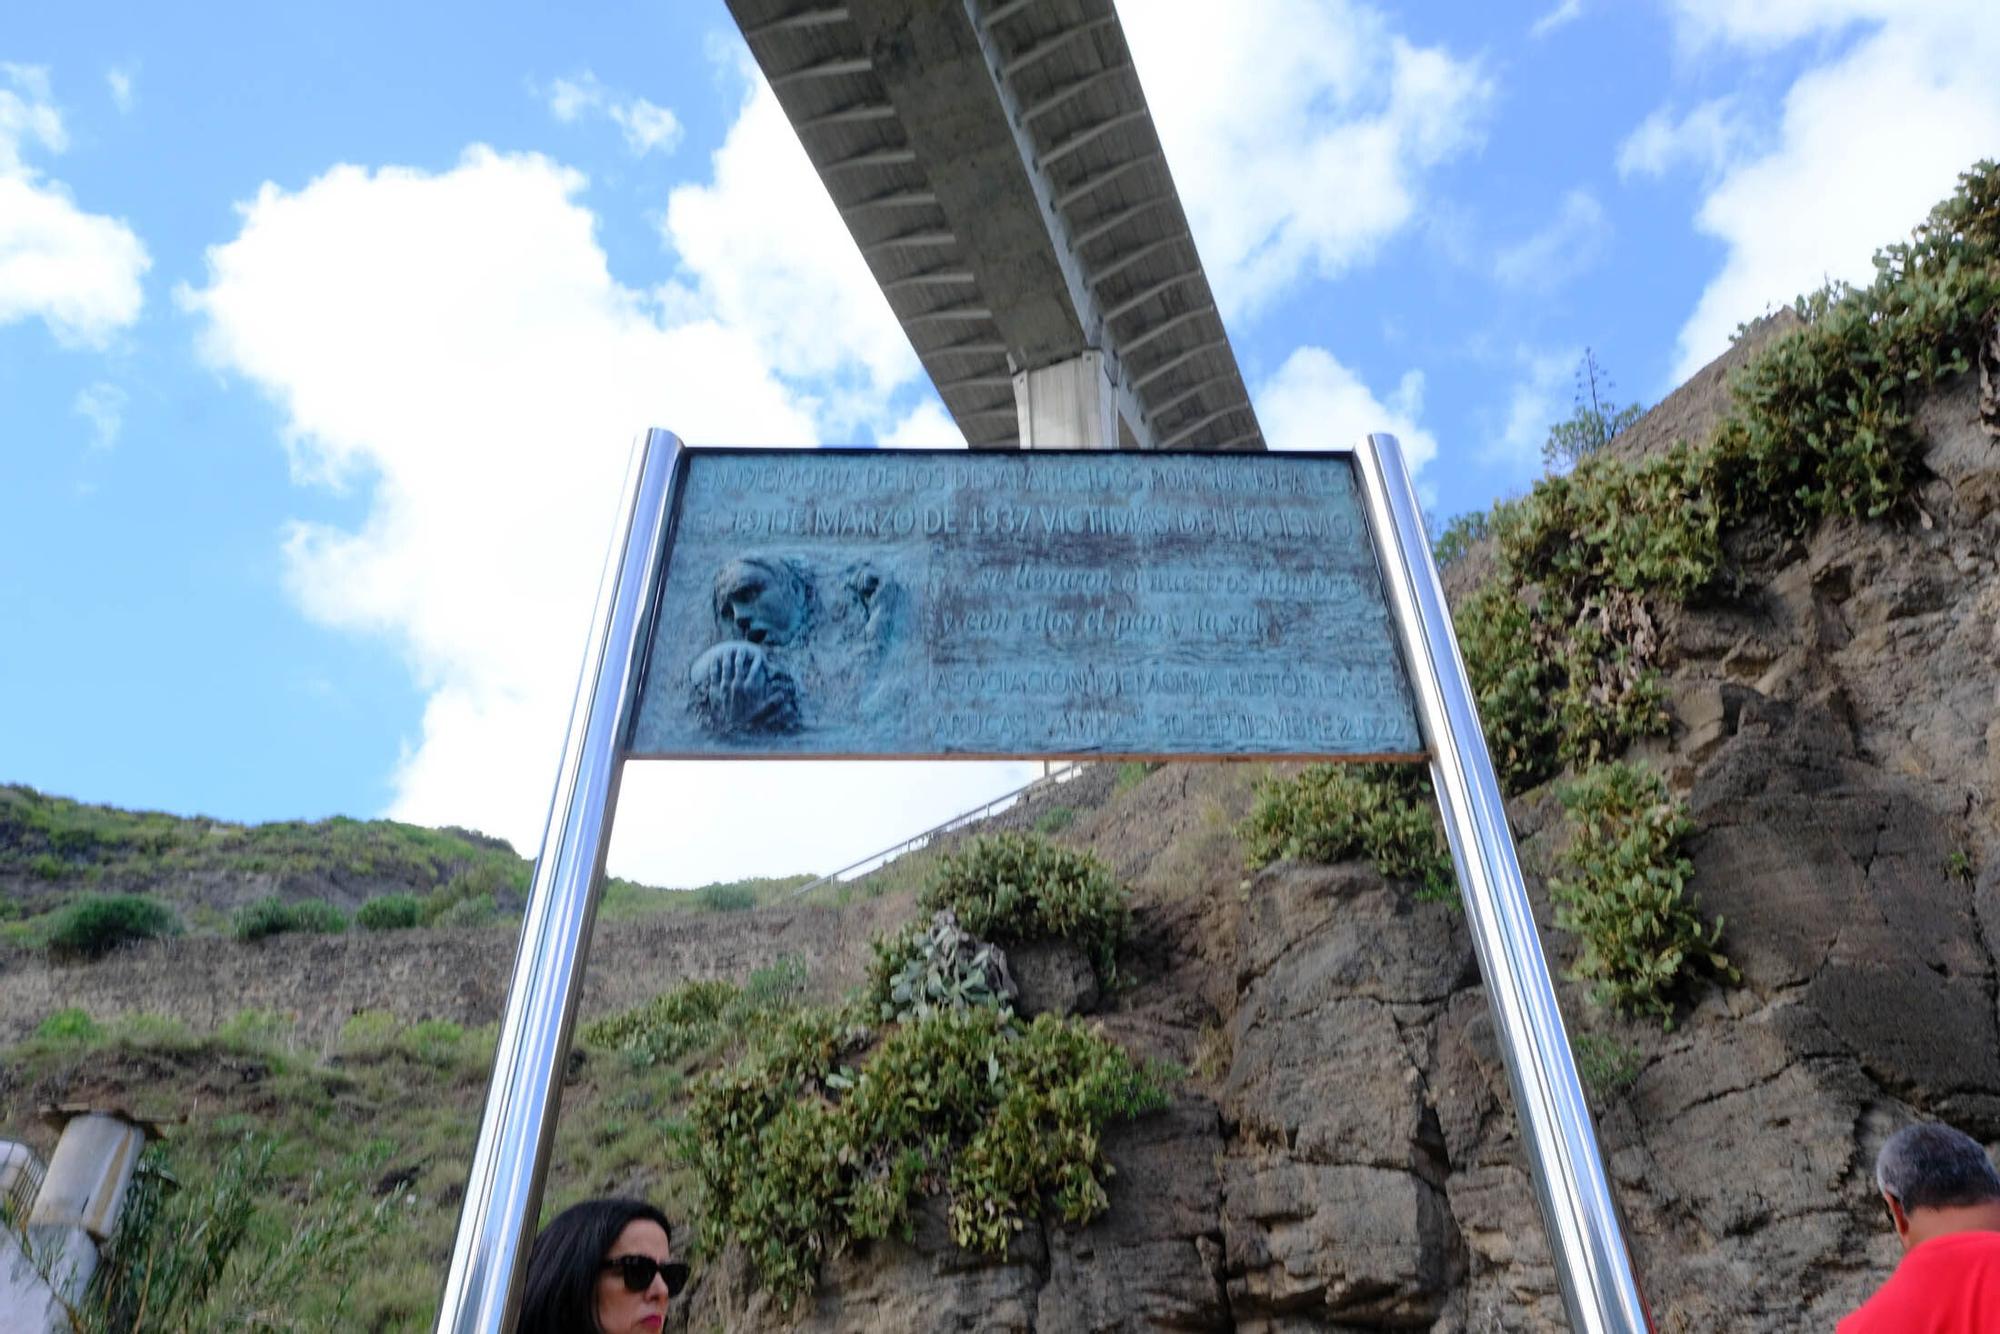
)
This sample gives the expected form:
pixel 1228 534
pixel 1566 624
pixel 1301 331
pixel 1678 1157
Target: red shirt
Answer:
pixel 1947 1285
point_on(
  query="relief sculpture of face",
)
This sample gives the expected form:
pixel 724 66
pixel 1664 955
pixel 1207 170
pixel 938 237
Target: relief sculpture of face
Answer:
pixel 760 601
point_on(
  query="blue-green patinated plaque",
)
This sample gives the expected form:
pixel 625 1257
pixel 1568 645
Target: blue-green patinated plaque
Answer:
pixel 1026 604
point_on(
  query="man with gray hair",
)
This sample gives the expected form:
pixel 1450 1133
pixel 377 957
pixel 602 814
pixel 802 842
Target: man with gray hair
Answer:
pixel 1944 1198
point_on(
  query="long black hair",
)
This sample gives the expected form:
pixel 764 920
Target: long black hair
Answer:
pixel 561 1296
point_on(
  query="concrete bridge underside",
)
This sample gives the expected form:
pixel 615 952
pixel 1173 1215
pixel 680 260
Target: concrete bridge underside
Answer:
pixel 997 165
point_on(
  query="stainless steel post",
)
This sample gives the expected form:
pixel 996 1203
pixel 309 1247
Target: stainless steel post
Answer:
pixel 504 1192
pixel 1595 1269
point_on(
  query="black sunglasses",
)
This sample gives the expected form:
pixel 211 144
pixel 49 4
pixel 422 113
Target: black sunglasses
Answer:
pixel 638 1271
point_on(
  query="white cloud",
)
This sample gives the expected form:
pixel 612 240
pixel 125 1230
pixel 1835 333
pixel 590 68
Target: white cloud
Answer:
pixel 928 426
pixel 1539 399
pixel 1866 142
pixel 1707 139
pixel 568 99
pixel 119 80
pixel 103 406
pixel 1770 23
pixel 647 126
pixel 764 247
pixel 1572 242
pixel 1314 402
pixel 1300 132
pixel 77 272
pixel 1565 13
pixel 27 116
pixel 454 347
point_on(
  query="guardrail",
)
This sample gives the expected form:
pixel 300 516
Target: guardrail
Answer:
pixel 1061 773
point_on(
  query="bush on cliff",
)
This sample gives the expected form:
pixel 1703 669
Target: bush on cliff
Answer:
pixel 941 966
pixel 484 888
pixel 70 1027
pixel 799 1154
pixel 92 928
pixel 390 912
pixel 1625 891
pixel 1018 888
pixel 686 1019
pixel 1331 812
pixel 276 917
pixel 726 898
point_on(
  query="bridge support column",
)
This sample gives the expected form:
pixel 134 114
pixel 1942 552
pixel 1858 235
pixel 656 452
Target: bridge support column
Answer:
pixel 1070 405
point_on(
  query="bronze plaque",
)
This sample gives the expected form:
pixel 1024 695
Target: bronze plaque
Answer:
pixel 989 605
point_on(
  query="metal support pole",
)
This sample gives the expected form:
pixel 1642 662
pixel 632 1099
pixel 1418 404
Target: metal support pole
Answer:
pixel 503 1194
pixel 1599 1289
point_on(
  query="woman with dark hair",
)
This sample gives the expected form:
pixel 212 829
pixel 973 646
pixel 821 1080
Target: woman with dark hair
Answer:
pixel 602 1267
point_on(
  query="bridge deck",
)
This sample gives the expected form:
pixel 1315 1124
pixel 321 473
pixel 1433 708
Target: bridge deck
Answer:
pixel 997 165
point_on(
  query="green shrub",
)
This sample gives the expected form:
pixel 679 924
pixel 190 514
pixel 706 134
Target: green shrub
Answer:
pixel 486 885
pixel 1333 812
pixel 1130 774
pixel 390 912
pixel 1605 1064
pixel 368 1034
pixel 92 928
pixel 688 1018
pixel 1512 682
pixel 1624 891
pixel 1649 526
pixel 927 969
pixel 798 1156
pixel 703 1016
pixel 433 1041
pixel 275 917
pixel 1010 888
pixel 1825 421
pixel 1040 1147
pixel 725 898
pixel 478 911
pixel 1563 675
pixel 259 1030
pixel 161 1032
pixel 1461 533
pixel 1054 820
pixel 780 985
pixel 70 1027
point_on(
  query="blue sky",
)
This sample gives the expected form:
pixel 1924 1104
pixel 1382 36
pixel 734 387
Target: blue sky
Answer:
pixel 324 331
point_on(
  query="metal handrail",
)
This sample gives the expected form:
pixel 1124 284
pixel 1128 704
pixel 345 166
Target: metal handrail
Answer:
pixel 876 860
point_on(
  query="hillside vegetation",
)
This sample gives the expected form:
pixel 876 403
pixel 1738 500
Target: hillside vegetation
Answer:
pixel 79 880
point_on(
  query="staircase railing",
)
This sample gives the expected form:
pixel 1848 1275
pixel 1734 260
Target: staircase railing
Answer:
pixel 1060 773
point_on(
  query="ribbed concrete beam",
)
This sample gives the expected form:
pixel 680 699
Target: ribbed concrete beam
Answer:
pixel 997 165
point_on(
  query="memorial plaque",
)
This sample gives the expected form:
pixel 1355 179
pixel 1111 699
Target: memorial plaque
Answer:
pixel 928 604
